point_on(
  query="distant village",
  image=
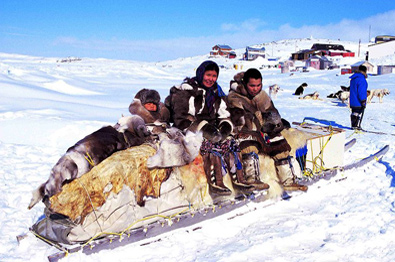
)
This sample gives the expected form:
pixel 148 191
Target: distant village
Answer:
pixel 318 56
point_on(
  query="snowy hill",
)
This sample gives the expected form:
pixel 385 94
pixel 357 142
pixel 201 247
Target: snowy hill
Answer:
pixel 47 106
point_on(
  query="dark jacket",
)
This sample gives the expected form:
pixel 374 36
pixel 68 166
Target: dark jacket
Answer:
pixel 358 90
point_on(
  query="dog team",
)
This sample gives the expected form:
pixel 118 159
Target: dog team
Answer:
pixel 236 129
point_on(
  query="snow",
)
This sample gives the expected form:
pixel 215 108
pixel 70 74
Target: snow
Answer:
pixel 45 107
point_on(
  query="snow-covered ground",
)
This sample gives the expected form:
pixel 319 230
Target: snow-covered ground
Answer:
pixel 46 106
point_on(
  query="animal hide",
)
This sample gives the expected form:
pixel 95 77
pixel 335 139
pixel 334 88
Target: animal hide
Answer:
pixel 90 151
pixel 175 149
pixel 89 192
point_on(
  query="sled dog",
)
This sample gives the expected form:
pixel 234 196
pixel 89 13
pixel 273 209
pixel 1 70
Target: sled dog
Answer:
pixel 273 90
pixel 299 91
pixel 313 96
pixel 380 93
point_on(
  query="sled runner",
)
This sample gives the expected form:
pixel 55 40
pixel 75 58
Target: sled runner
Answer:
pixel 173 216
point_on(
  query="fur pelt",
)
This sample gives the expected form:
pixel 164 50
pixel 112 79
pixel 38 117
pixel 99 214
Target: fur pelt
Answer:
pixel 90 151
pixel 176 149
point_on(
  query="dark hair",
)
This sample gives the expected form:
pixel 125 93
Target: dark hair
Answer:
pixel 251 73
pixel 362 68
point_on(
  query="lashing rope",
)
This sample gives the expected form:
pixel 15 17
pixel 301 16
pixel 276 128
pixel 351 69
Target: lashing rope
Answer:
pixel 89 159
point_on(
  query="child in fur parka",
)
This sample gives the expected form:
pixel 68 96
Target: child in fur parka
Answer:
pixel 147 104
pixel 254 115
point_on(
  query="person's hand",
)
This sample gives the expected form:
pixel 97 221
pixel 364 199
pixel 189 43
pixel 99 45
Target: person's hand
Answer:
pixel 211 133
pixel 363 103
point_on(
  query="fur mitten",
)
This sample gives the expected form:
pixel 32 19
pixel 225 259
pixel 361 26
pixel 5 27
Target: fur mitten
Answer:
pixel 225 128
pixel 211 133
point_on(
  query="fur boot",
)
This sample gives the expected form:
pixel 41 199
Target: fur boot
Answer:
pixel 212 168
pixel 286 171
pixel 237 175
pixel 251 171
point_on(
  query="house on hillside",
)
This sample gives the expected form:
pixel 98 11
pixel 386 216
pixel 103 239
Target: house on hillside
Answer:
pixel 303 55
pixel 332 50
pixel 380 49
pixel 318 62
pixel 223 50
pixel 322 50
pixel 253 53
pixel 369 66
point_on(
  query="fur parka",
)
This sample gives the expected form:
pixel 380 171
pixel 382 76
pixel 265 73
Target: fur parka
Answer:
pixel 248 112
pixel 158 119
pixel 186 103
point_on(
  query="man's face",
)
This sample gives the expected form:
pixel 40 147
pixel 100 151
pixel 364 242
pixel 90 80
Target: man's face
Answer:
pixel 209 78
pixel 254 86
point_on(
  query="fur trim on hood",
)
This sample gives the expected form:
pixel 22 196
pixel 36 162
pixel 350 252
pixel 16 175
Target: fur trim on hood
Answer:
pixel 237 84
pixel 148 96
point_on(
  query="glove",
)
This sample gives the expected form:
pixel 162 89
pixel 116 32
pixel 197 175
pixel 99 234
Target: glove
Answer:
pixel 224 129
pixel 211 133
pixel 363 103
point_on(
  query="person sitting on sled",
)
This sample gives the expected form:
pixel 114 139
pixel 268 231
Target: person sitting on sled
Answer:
pixel 147 104
pixel 254 116
pixel 358 96
pixel 199 104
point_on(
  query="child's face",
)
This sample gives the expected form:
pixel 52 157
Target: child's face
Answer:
pixel 150 106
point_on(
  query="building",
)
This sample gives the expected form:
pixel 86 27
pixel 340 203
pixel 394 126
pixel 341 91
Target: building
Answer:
pixel 383 48
pixel 369 66
pixel 253 53
pixel 385 69
pixel 383 38
pixel 303 55
pixel 318 62
pixel 223 50
pixel 322 50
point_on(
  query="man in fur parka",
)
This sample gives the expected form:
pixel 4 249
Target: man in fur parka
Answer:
pixel 147 104
pixel 254 115
pixel 199 104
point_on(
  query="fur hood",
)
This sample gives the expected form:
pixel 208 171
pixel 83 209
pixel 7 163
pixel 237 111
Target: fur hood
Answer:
pixel 148 96
pixel 246 110
pixel 237 84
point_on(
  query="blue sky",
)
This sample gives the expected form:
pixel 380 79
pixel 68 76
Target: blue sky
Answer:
pixel 163 30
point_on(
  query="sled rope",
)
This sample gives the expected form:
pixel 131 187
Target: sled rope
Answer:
pixel 61 248
pixel 130 226
pixel 90 200
pixel 317 167
pixel 89 159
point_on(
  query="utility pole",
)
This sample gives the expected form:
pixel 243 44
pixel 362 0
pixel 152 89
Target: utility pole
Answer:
pixel 359 46
pixel 369 33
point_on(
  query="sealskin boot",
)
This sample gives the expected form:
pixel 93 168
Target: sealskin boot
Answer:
pixel 237 174
pixel 251 171
pixel 286 174
pixel 212 168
